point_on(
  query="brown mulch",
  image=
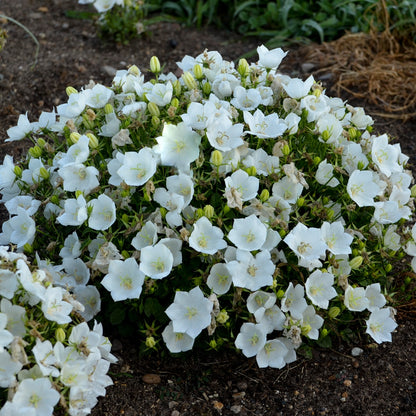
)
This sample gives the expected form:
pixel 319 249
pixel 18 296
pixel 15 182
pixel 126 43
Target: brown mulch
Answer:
pixel 381 381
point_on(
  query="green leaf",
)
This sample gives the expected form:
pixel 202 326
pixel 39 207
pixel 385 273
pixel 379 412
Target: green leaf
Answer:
pixel 117 315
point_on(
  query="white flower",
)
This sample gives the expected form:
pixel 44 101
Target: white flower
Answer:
pixel 311 322
pixel 264 163
pixel 178 146
pixel 103 6
pixel 224 84
pixel 195 116
pixel 206 238
pixel 252 272
pixel 161 94
pixel 103 213
pixel 181 185
pixel 19 131
pixel 380 325
pixel 90 298
pixel 177 341
pixel 111 127
pixel 262 126
pixel 45 358
pixel 190 312
pixel 156 261
pixel 337 241
pixel 7 175
pixel 259 301
pixel 78 177
pixel 294 301
pixel 391 239
pixel 251 339
pixel 246 186
pixel 72 246
pixel 8 283
pixel 385 156
pixel 287 189
pixel 6 337
pixel 9 367
pixel 270 319
pixel 388 212
pixel 103 252
pixel 175 247
pixel 21 228
pixel 173 202
pixel 272 354
pixel 54 307
pixel 330 127
pixel 75 211
pixel 246 99
pixel 224 135
pixel 376 299
pixel 248 233
pixel 270 59
pixel 124 279
pixel 325 174
pixel 137 168
pixel 98 96
pixel 74 106
pixel 315 106
pixel 319 288
pixel 355 299
pixel 147 236
pixel 29 204
pixel 77 270
pixel 363 188
pixel 296 88
pixel 292 121
pixel 352 155
pixel 219 278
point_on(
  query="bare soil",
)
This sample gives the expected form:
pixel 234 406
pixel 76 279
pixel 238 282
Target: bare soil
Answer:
pixel 379 382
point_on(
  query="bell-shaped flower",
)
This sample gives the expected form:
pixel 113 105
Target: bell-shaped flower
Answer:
pixel 190 312
pixel 74 106
pixel 36 394
pixel 178 146
pixel 77 270
pixel 147 236
pixel 272 354
pixel 270 319
pixel 270 59
pixel 391 239
pixel 259 301
pixel 173 202
pixel 90 298
pixel 264 127
pixel 376 299
pixel 352 155
pixel 138 167
pixel 78 177
pixel 272 240
pixel 224 135
pixel 206 238
pixel 294 301
pixel 124 279
pixel 246 99
pixel 21 228
pixel 296 88
pixel 6 337
pixel 156 261
pixel 385 155
pixel 10 367
pixel 264 163
pixel 388 212
pixel 54 307
pixel 27 202
pixel 98 96
pixel 8 283
pixel 72 246
pixel 45 358
pixel 319 288
pixel 315 106
pixel 251 339
pixel 195 116
pixel 32 174
pixel 224 85
pixel 77 153
pixel 219 279
pixel 252 272
pixel 75 211
pixel 103 213
pixel 248 233
pixel 325 175
pixel 161 94
pixel 18 132
pixel 111 127
pixel 103 6
pixel 363 187
pixel 355 299
pixel 177 341
pixel 330 128
pixel 287 189
pixel 7 174
pixel 337 240
pixel 175 247
pixel 311 322
pixel 181 185
pixel 380 325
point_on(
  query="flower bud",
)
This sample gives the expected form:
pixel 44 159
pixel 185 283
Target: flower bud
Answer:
pixel 70 90
pixel 108 109
pixel 316 160
pixel 286 150
pixel 60 335
pixel 388 268
pixel 155 121
pixel 41 142
pixel 198 72
pixel 78 193
pixel 305 329
pixel 177 87
pixel 216 157
pixel 333 312
pixel 213 344
pixel 17 171
pixel 226 209
pixel 317 92
pixel 43 173
pixel 324 333
pixel 222 317
pixel 155 65
pixel 280 294
pixel 93 142
pixel 206 88
pixel 35 151
pixel 243 68
pixel 27 248
pixel 74 137
pixel 264 195
pixel 54 199
pixel 325 135
pixel 209 211
pixel 125 254
pixel 134 70
pixel 251 170
pixel 174 102
pixel 360 165
pixel 413 191
pixel 282 233
pixel 300 202
pixel 356 262
pixel 199 213
pixel 150 342
pixel 353 133
pixel 189 80
pixel 153 109
pixel 87 122
pixel 163 212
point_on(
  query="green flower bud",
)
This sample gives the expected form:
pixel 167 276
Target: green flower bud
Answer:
pixel 213 344
pixel 155 121
pixel 300 202
pixel 70 90
pixel 163 212
pixel 388 268
pixel 243 67
pixel 17 171
pixel 155 65
pixel 174 102
pixel 134 70
pixel 125 254
pixel 324 333
pixel 209 211
pixel 74 137
pixel 41 142
pixel 282 233
pixel 55 199
pixel 356 262
pixel 153 109
pixel 413 191
pixel 150 342
pixel 108 109
pixel 60 335
pixel 280 294
pixel 316 160
pixel 189 80
pixel 27 248
pixel 199 213
pixel 330 214
pixel 325 135
pixel 35 151
pixel 264 195
pixel 222 317
pixel 353 133
pixel 216 157
pixel 360 165
pixel 304 330
pixel 177 87
pixel 93 142
pixel 198 72
pixel 87 122
pixel 206 88
pixel 78 193
pixel 333 312
pixel 43 173
pixel 317 92
pixel 226 209
pixel 286 150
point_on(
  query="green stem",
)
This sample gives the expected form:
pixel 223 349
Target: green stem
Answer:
pixel 30 34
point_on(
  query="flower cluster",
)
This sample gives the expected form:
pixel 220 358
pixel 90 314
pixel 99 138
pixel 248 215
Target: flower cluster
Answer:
pixel 229 200
pixel 48 355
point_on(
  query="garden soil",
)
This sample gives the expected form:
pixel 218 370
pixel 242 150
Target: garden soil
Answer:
pixel 380 381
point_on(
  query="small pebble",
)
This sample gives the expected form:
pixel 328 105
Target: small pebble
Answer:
pixel 347 383
pixel 109 70
pixel 172 404
pixel 307 67
pixel 236 409
pixel 355 352
pixel 151 379
pixel 175 413
pixel 218 405
pixel 242 385
pixel 240 395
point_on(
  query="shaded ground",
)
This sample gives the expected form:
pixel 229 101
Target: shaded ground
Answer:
pixel 381 381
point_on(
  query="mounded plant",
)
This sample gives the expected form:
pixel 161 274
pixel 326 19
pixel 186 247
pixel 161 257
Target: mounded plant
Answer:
pixel 230 207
